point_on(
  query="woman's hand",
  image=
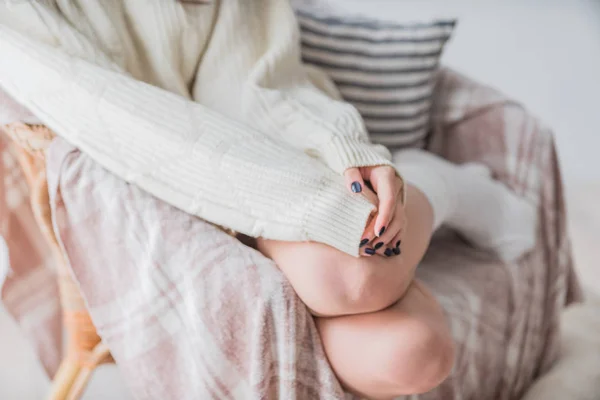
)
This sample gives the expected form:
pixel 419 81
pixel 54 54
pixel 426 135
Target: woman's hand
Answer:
pixel 383 232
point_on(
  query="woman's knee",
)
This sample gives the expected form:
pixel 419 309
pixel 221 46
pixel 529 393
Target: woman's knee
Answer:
pixel 418 360
pixel 405 349
pixel 422 348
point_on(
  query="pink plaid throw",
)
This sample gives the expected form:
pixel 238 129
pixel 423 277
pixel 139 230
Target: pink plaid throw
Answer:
pixel 189 312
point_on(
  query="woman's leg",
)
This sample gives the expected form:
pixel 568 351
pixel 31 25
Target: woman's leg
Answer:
pixel 486 212
pixel 332 283
pixel 404 349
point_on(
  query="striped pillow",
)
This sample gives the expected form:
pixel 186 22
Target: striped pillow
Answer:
pixel 387 71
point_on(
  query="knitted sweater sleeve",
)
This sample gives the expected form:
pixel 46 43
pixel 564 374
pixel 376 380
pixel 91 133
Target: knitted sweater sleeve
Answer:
pixel 181 151
pixel 277 93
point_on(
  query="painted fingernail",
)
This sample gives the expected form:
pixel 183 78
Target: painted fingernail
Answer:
pixel 356 187
pixel 398 243
pixel 369 251
pixel 381 231
pixel 388 252
pixel 378 245
pixel 396 251
pixel 363 242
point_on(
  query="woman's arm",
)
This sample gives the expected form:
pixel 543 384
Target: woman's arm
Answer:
pixel 182 152
pixel 252 71
pixel 255 54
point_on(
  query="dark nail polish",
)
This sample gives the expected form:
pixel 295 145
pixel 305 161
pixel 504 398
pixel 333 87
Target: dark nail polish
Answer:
pixel 381 231
pixel 396 251
pixel 363 242
pixel 388 252
pixel 398 243
pixel 369 251
pixel 378 245
pixel 356 187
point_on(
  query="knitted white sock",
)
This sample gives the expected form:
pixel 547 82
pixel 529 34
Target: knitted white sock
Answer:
pixel 465 198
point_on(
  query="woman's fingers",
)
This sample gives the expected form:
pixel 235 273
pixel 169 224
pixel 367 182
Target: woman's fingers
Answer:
pixel 395 227
pixel 384 183
pixel 382 190
pixel 356 184
pixel 354 180
pixel 368 235
pixel 391 244
pixel 397 243
pixel 370 195
pixel 366 247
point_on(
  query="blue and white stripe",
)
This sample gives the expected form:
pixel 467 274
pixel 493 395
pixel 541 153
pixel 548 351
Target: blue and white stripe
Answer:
pixel 387 71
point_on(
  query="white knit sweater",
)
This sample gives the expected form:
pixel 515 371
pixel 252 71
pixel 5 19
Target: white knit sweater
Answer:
pixel 207 107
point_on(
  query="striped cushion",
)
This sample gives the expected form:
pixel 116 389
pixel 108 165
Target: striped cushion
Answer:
pixel 387 71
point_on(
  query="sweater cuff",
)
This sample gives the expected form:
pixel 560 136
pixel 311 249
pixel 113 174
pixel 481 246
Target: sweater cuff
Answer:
pixel 338 218
pixel 342 153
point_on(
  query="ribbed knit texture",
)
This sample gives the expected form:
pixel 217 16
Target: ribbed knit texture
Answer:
pixel 229 125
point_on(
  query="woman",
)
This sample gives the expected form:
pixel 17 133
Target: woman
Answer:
pixel 274 155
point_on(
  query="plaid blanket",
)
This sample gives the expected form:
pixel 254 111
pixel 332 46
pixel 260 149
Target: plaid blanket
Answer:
pixel 189 312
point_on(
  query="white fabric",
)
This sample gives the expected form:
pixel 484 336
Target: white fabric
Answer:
pixel 467 199
pixel 576 374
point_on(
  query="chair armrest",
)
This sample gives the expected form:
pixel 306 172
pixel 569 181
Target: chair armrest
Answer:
pixel 474 123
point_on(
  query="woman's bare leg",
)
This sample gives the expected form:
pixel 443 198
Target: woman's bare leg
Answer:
pixel 332 283
pixel 376 350
pixel 404 349
pixel 384 334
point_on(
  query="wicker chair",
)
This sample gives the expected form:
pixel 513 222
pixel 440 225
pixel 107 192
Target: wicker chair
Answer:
pixel 85 349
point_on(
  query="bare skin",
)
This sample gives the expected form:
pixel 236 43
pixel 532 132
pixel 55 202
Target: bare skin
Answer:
pixel 386 226
pixel 385 335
